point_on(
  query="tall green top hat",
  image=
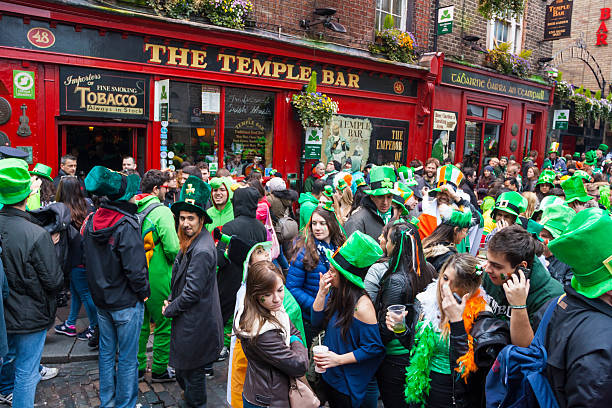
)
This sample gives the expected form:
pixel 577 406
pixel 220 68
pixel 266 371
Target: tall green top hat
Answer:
pixel 576 156
pixel 547 177
pixel 42 170
pixel 194 196
pixel 401 197
pixel 449 175
pixel 585 246
pixel 14 181
pixel 555 219
pixel 359 181
pixel 574 190
pixel 354 258
pixel 603 147
pixel 510 202
pixel 381 181
pixel 455 217
pixel 554 147
pixel 591 158
pixel 116 186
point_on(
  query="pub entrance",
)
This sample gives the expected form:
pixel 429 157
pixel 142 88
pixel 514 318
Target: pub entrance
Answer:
pixel 103 143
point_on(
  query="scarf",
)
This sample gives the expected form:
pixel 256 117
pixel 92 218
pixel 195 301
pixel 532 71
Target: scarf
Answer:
pixel 386 217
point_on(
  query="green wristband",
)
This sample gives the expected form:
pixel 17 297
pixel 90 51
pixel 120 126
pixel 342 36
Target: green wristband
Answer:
pixel 518 307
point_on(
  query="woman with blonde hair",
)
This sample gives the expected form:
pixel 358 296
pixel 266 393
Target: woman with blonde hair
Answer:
pixel 532 203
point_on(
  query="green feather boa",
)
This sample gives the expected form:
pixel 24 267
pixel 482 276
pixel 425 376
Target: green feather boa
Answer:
pixel 417 373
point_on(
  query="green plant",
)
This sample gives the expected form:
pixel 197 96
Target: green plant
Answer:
pixel 502 60
pixel 389 22
pixel 395 44
pixel 225 13
pixel 314 109
pixel 491 8
pixel 172 8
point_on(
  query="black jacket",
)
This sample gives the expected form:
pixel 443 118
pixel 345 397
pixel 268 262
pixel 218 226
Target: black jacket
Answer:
pixel 468 188
pixel 32 270
pixel 579 346
pixel 366 220
pixel 247 228
pixel 196 337
pixel 115 257
pixel 560 271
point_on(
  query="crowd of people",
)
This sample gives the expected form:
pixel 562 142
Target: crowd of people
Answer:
pixel 414 286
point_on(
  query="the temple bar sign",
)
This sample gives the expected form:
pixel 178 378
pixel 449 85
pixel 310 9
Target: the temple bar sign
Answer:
pixel 558 21
pixel 473 80
pixel 602 31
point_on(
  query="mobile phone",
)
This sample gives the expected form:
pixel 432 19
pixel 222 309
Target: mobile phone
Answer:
pixel 457 297
pixel 526 271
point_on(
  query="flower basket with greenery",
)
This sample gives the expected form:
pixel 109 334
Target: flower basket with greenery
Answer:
pixel 491 8
pixel 313 108
pixel 395 44
pixel 225 13
pixel 501 59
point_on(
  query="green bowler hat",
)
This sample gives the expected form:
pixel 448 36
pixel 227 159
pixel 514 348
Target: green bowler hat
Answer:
pixel 456 218
pixel 591 158
pixel 585 246
pixel 583 175
pixel 547 177
pixel 510 202
pixel 14 181
pixel 103 181
pixel 42 170
pixel 576 156
pixel 359 181
pixel 354 258
pixel 574 190
pixel 194 196
pixel 555 219
pixel 603 147
pixel 381 181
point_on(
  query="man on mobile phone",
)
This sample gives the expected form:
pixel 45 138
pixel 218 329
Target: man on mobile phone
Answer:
pixel 517 282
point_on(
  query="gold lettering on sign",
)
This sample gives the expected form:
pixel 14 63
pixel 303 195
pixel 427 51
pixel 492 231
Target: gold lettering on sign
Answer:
pixel 290 75
pixel 225 58
pixel 340 80
pixel 243 65
pixel 279 68
pixel 260 69
pixel 353 81
pixel 328 77
pixel 181 53
pixel 305 73
pixel 156 50
pixel 197 59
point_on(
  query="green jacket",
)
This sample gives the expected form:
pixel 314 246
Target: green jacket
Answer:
pixel 308 203
pixel 542 288
pixel 220 218
pixel 158 229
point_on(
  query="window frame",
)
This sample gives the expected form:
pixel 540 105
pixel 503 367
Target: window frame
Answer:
pixel 402 15
pixel 516 27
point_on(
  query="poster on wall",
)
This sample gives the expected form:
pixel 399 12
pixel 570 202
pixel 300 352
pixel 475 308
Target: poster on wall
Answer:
pixel 444 135
pixel 102 93
pixel 365 140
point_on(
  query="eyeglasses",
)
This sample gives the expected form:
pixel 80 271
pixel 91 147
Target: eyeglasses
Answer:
pixel 67 176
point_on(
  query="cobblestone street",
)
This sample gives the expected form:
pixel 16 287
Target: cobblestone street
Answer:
pixel 77 385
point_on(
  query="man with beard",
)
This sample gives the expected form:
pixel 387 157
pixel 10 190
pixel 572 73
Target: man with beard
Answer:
pixel 197 328
pixel 428 180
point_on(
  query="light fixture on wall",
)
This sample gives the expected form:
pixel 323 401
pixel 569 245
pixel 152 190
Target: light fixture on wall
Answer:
pixel 201 132
pixel 324 16
pixel 91 128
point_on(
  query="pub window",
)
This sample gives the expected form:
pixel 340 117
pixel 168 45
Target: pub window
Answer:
pixel 482 132
pixel 193 124
pixel 249 129
pixel 395 8
pixel 505 30
pixel 475 110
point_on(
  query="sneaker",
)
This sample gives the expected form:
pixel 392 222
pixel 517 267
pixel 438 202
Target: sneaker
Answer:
pixel 6 399
pixel 66 330
pixel 224 354
pixel 47 373
pixel 166 376
pixel 210 374
pixel 95 338
pixel 141 375
pixel 85 334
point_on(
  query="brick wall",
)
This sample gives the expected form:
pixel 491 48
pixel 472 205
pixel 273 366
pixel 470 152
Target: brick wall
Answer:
pixel 585 23
pixel 467 21
pixel 357 16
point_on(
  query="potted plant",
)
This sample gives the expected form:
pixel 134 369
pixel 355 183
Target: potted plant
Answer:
pixel 394 44
pixel 314 109
pixel 491 8
pixel 225 13
pixel 502 60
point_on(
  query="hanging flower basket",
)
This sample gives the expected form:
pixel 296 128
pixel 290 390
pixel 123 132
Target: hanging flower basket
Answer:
pixel 314 109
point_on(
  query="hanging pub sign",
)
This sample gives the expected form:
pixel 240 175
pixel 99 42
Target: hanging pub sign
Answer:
pixel 101 93
pixel 558 21
pixel 157 51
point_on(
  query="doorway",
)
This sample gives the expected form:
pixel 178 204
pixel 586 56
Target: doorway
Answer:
pixel 102 144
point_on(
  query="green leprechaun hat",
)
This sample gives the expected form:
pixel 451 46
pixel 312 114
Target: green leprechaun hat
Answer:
pixel 194 196
pixel 102 181
pixel 591 263
pixel 547 201
pixel 583 175
pixel 547 177
pixel 456 217
pixel 591 158
pixel 449 175
pixel 555 219
pixel 574 190
pixel 401 197
pixel 42 170
pixel 359 181
pixel 554 147
pixel 381 181
pixel 510 202
pixel 355 256
pixel 328 192
pixel 603 147
pixel 14 181
pixel 341 185
pixel 576 156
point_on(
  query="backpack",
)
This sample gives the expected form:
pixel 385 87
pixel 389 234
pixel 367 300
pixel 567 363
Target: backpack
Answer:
pixel 516 379
pixel 147 236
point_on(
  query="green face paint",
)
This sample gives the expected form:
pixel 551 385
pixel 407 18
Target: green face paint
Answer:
pixel 502 276
pixel 263 299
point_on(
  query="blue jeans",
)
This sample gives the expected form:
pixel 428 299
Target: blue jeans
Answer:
pixel 22 363
pixel 247 404
pixel 119 332
pixel 79 291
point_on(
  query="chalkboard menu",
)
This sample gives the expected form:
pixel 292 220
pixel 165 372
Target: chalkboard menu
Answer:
pixel 249 123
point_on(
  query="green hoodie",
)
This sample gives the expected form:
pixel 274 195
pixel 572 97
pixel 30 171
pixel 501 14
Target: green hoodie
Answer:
pixel 220 218
pixel 308 203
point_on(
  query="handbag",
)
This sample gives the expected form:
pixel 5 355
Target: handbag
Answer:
pixel 271 235
pixel 301 395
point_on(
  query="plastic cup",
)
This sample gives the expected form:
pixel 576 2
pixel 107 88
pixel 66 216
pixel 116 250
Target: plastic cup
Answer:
pixel 397 314
pixel 317 351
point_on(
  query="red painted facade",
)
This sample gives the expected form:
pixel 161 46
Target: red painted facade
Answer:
pixel 48 126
